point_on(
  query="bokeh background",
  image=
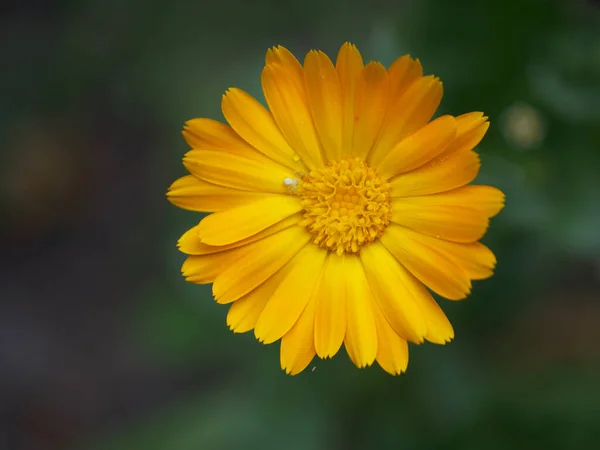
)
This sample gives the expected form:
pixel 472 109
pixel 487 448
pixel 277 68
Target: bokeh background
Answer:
pixel 104 346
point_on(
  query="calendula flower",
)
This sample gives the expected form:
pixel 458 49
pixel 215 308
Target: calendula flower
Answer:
pixel 334 210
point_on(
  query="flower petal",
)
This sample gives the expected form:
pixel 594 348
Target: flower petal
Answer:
pixel 349 66
pixel 478 260
pixel 470 129
pixel 419 148
pixel 191 193
pixel 325 98
pixel 393 292
pixel 460 215
pixel 297 345
pixel 226 169
pixel 403 72
pixel 330 315
pixel 456 166
pixel 446 222
pixel 443 173
pixel 425 262
pixel 289 106
pixel 292 295
pixel 413 109
pixel 485 199
pixel 191 244
pixel 205 268
pixel 282 56
pixel 263 259
pixel 475 259
pixel 252 122
pixel 210 134
pixel 239 223
pixel 372 96
pixel 438 328
pixel 361 334
pixel 392 350
pixel 245 312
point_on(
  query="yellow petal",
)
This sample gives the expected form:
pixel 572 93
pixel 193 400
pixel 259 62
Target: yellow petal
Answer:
pixel 427 98
pixel 398 293
pixel 289 106
pixel 445 222
pixel 287 61
pixel 244 313
pixel 226 169
pixel 460 215
pixel 255 125
pixel 456 166
pixel 372 96
pixel 393 292
pixel 191 244
pixel 330 317
pixel 282 56
pixel 209 134
pixel 297 345
pixel 403 72
pixel 239 223
pixel 485 199
pixel 419 148
pixel 349 66
pixel 325 99
pixel 392 350
pixel 476 259
pixel 191 193
pixel 443 173
pixel 439 329
pixel 263 259
pixel 470 129
pixel 426 263
pixel 361 334
pixel 205 268
pixel 292 295
pixel 413 109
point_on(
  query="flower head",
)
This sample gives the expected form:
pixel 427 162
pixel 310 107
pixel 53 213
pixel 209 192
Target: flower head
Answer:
pixel 336 208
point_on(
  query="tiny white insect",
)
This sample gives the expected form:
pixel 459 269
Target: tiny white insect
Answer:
pixel 290 183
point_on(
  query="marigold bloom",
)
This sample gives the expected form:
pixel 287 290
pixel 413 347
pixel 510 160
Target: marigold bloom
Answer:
pixel 334 209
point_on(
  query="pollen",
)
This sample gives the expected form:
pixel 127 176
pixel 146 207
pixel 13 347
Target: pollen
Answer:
pixel 346 205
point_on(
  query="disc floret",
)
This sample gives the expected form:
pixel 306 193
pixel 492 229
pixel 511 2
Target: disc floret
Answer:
pixel 346 205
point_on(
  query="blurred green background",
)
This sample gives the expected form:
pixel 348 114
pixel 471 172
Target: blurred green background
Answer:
pixel 104 346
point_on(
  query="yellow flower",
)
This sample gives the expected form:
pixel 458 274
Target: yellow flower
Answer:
pixel 334 209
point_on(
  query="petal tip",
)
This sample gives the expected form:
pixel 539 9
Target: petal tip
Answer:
pixel 396 371
pixel 290 370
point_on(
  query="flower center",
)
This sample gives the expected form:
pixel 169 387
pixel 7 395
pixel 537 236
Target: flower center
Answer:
pixel 346 205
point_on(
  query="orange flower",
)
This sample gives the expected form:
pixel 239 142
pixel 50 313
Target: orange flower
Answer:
pixel 334 209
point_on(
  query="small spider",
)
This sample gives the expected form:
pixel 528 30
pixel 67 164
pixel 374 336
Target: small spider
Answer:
pixel 291 183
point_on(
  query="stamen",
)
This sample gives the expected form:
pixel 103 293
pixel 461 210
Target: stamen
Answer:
pixel 346 205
